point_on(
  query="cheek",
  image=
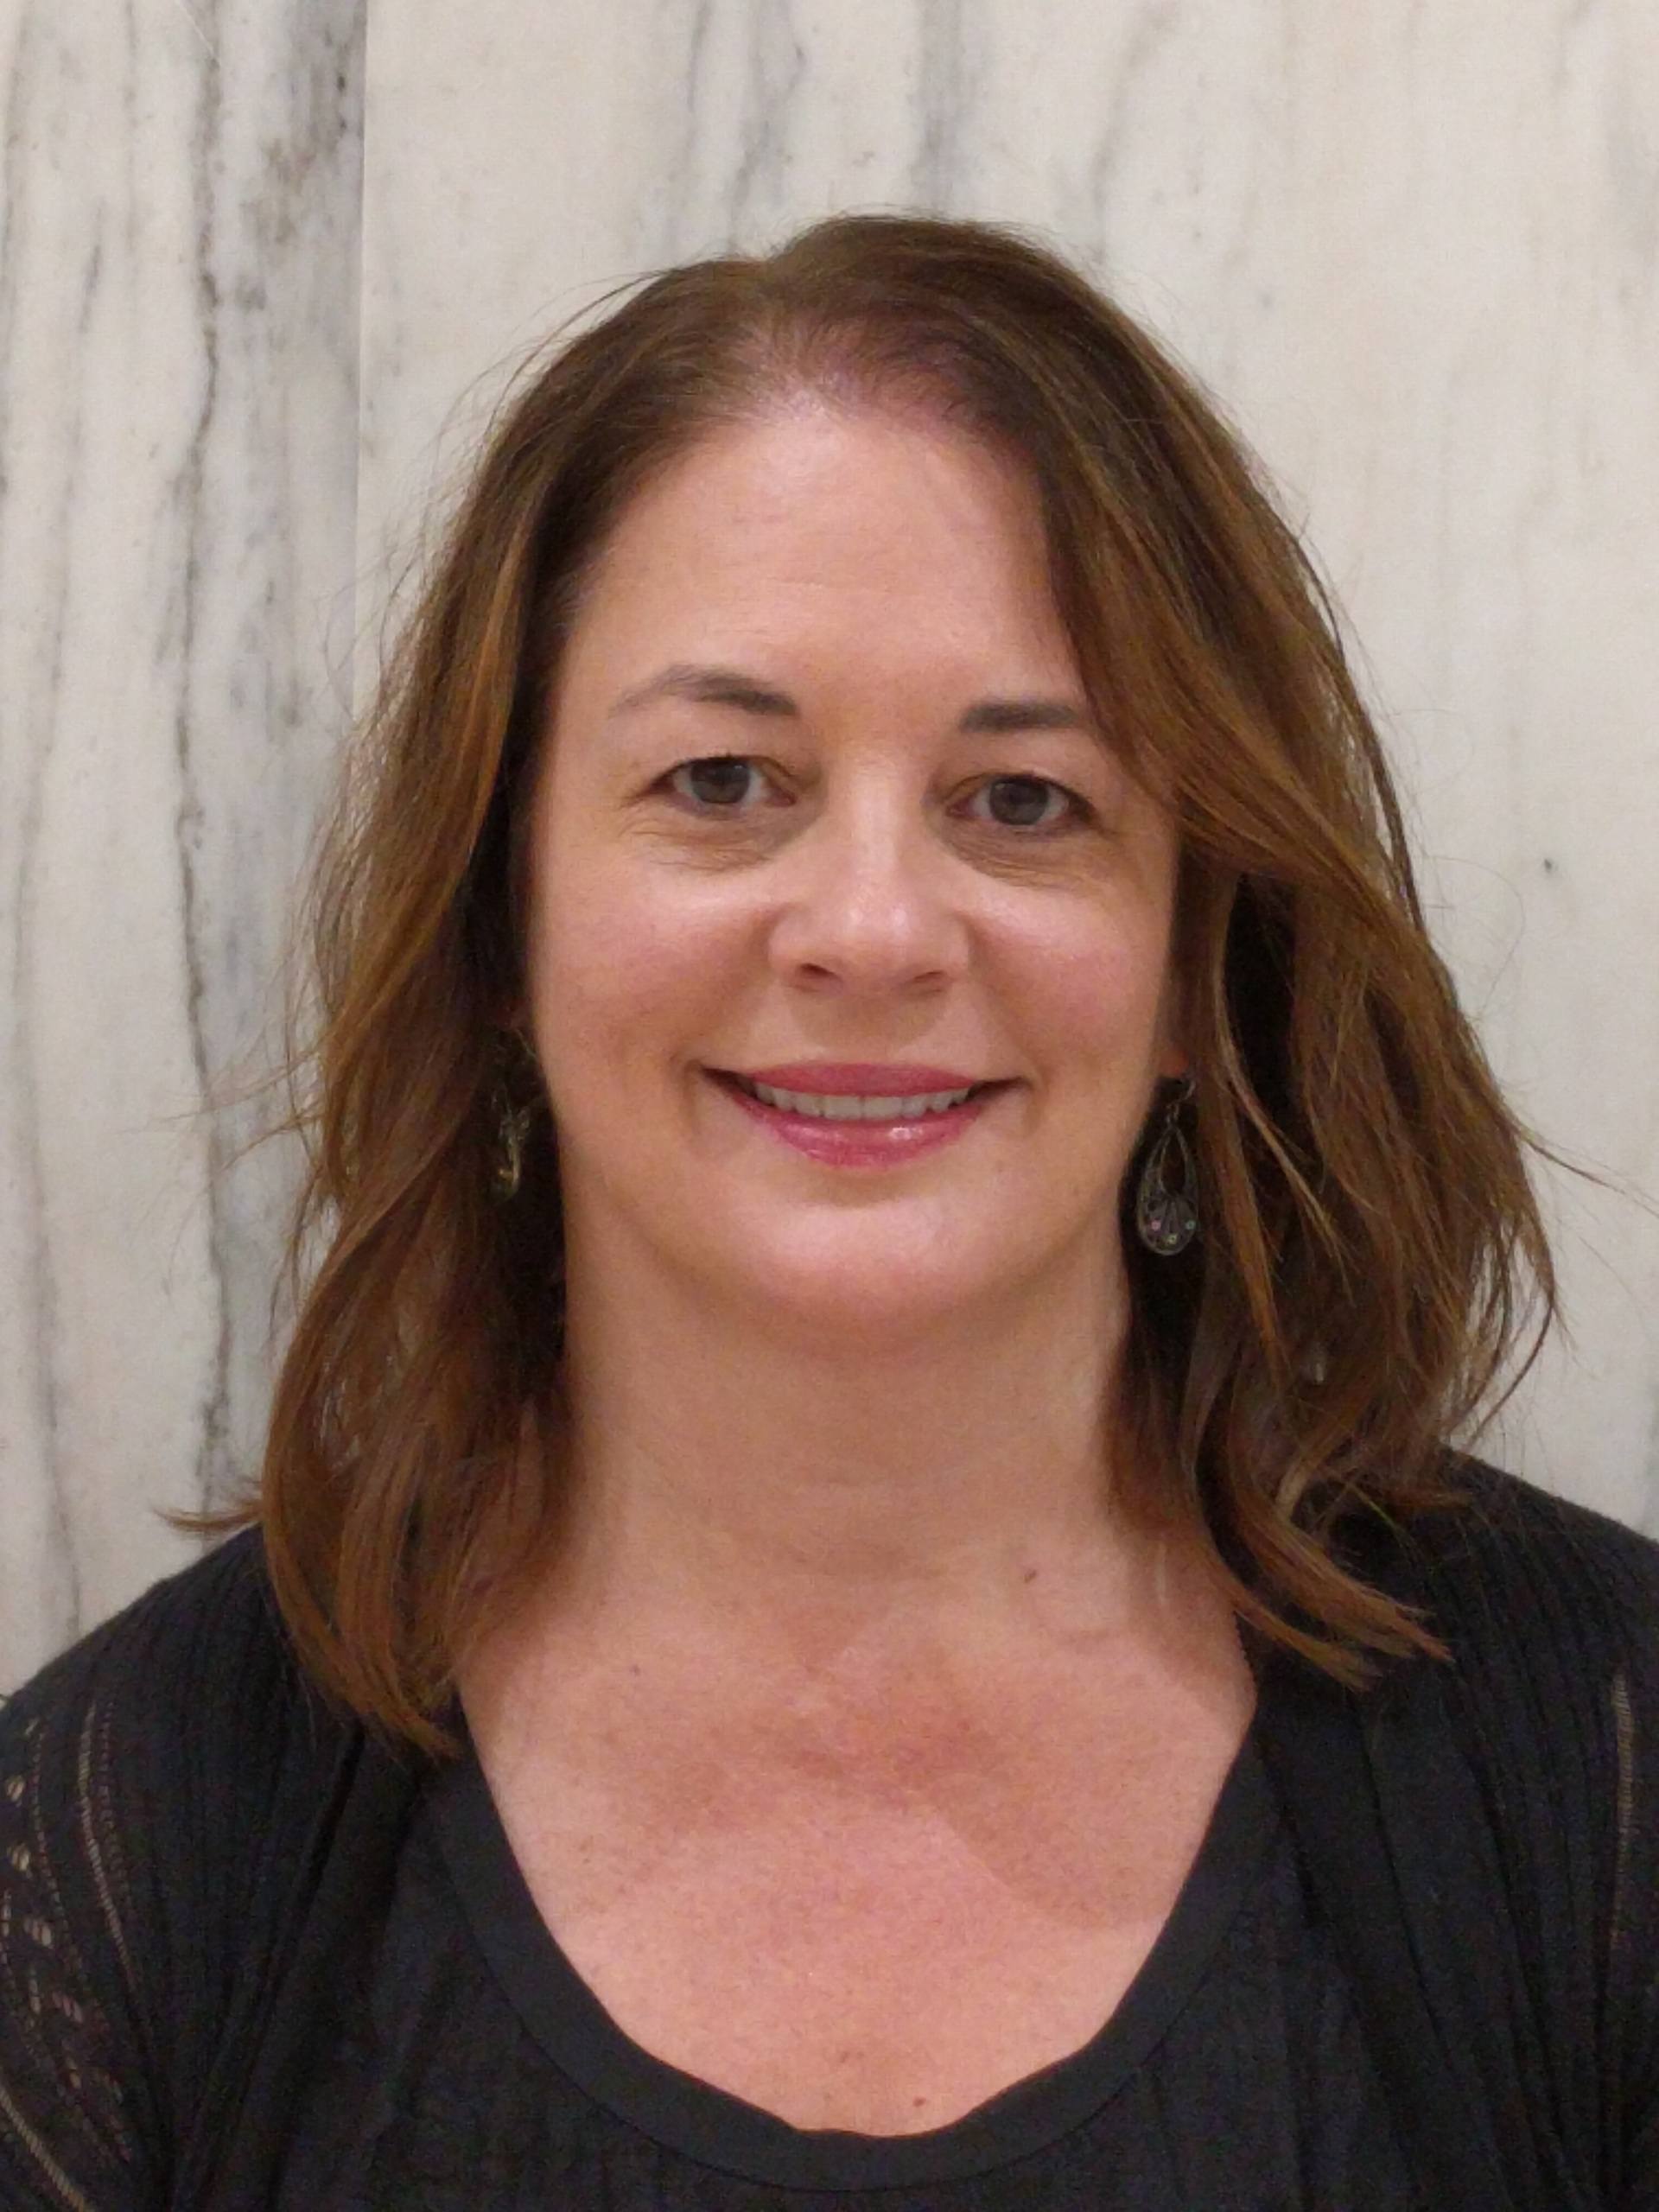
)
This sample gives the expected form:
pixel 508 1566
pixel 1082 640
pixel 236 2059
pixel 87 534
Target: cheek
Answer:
pixel 616 974
pixel 1097 987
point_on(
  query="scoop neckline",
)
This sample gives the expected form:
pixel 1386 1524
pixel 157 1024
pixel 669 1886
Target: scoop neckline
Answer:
pixel 681 2112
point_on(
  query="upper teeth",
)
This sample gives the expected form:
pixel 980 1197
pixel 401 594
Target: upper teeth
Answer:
pixel 857 1109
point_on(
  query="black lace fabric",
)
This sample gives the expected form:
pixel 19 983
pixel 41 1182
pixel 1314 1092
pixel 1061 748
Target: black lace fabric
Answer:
pixel 66 1962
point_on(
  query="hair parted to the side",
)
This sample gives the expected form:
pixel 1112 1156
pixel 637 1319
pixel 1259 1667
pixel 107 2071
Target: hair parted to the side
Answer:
pixel 1370 1238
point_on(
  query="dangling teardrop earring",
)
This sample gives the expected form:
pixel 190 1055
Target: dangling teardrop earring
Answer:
pixel 1167 1219
pixel 515 1058
pixel 512 1126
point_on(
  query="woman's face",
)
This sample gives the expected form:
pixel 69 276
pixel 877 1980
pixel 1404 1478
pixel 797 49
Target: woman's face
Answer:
pixel 846 611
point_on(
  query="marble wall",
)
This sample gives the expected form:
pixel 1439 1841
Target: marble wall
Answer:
pixel 246 341
pixel 179 368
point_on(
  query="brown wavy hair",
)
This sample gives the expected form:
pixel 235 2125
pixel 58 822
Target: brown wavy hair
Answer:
pixel 1370 1239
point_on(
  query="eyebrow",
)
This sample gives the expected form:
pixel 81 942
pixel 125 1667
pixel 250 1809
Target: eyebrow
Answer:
pixel 730 687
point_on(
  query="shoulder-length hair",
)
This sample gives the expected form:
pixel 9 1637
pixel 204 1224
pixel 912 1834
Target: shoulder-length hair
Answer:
pixel 1367 1216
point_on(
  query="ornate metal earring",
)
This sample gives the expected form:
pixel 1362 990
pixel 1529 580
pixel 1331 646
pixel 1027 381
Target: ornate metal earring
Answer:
pixel 1166 1218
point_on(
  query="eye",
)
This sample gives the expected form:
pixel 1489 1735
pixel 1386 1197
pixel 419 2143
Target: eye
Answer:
pixel 722 772
pixel 722 777
pixel 1029 791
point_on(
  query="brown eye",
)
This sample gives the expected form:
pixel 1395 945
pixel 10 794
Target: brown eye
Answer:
pixel 717 780
pixel 1024 809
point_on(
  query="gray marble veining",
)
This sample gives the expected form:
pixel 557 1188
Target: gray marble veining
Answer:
pixel 178 376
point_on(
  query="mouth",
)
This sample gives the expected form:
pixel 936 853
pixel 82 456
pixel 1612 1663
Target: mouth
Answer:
pixel 746 1088
pixel 847 1135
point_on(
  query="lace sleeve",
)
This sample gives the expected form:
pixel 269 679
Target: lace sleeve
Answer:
pixel 77 2125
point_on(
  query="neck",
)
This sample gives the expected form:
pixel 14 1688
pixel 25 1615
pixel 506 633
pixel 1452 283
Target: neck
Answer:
pixel 796 1495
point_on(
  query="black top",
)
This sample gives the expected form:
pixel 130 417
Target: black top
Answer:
pixel 251 1957
pixel 471 2065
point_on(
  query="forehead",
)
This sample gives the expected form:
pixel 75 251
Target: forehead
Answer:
pixel 816 517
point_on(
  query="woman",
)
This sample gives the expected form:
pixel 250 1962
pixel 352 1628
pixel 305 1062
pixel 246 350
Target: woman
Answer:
pixel 859 1593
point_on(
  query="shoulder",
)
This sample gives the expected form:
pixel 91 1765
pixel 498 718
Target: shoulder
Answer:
pixel 196 1671
pixel 159 1783
pixel 1549 1610
pixel 160 1767
pixel 1548 1613
pixel 225 1588
pixel 1514 1564
pixel 181 1734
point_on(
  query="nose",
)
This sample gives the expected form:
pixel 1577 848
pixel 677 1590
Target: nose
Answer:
pixel 868 897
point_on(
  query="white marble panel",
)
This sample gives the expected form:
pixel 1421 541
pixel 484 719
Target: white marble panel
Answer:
pixel 178 404
pixel 1414 250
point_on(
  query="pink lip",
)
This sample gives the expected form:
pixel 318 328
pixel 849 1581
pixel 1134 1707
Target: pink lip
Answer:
pixel 858 1078
pixel 861 1144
